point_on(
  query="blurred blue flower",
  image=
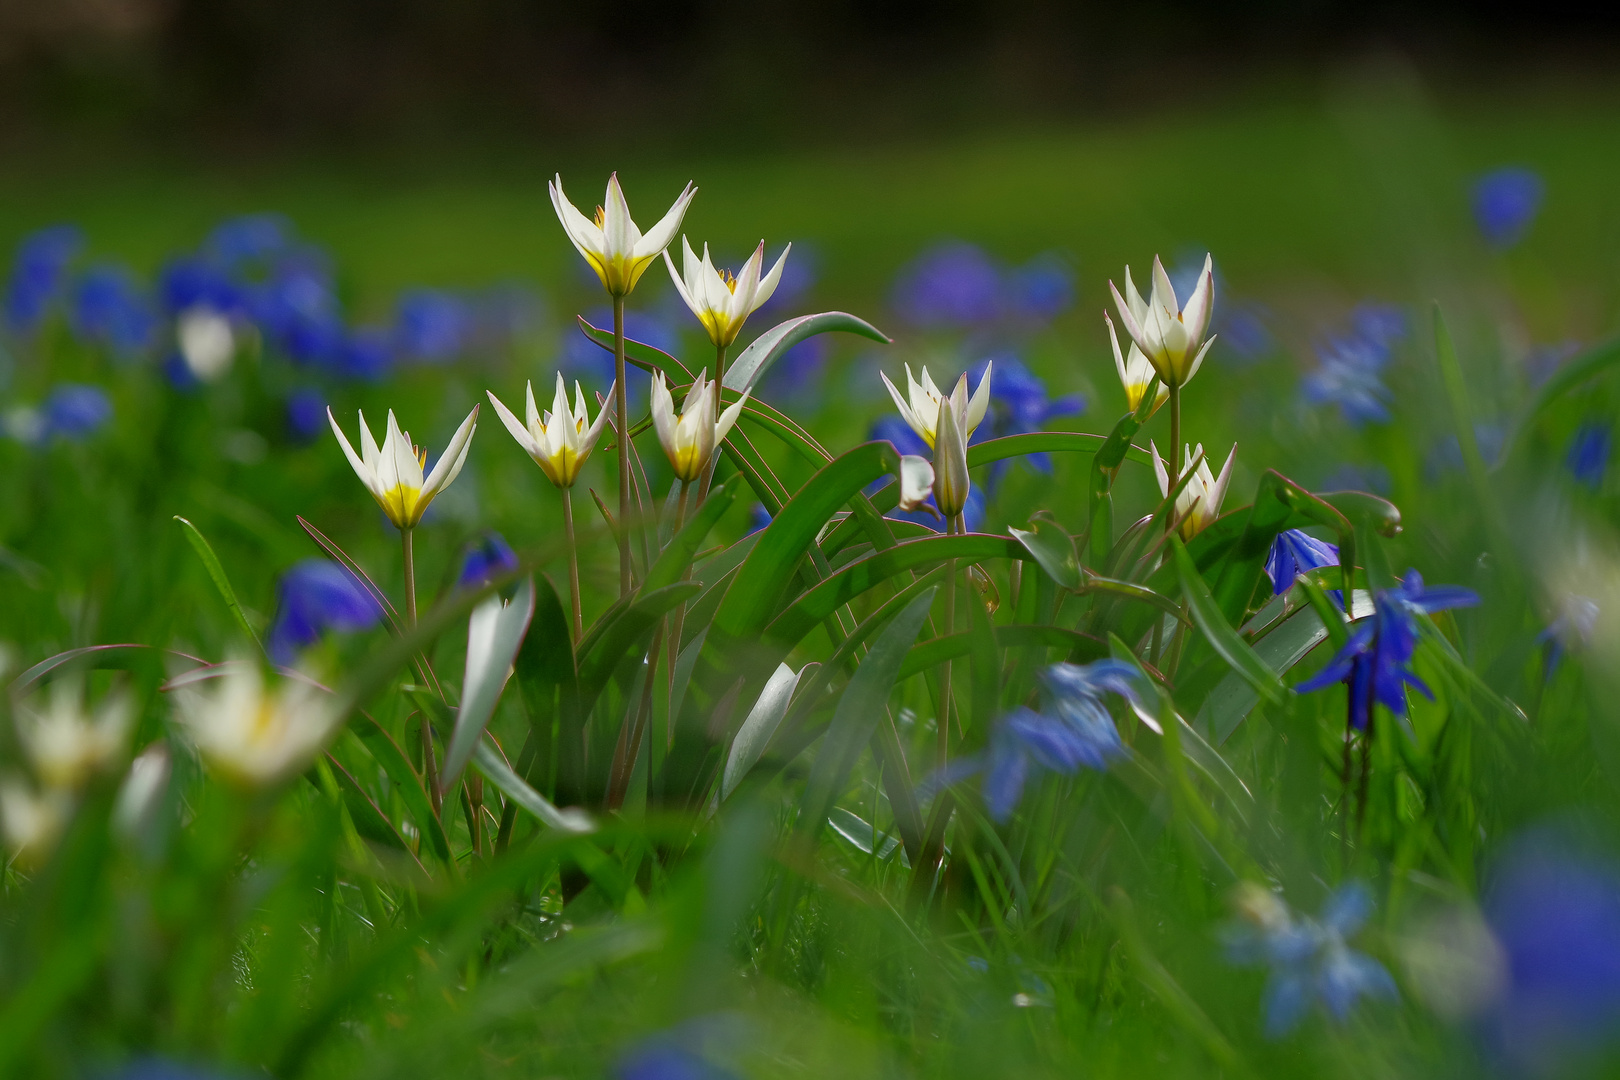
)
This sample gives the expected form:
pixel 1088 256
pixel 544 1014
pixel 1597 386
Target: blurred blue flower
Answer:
pixel 799 277
pixel 1243 333
pixel 486 559
pixel 1348 376
pixel 432 325
pixel 366 353
pixel 250 239
pixel 758 518
pixel 1543 360
pixel 1553 905
pixel 306 414
pixel 110 310
pixel 581 358
pixel 1588 454
pixel 75 411
pixel 1370 476
pixel 1570 630
pixel 1447 452
pixel 1079 733
pixel 1309 960
pixel 1294 552
pixel 506 313
pixel 1041 289
pixel 190 282
pixel 39 275
pixel 952 284
pixel 299 312
pixel 155 1068
pixel 686 1051
pixel 1375 662
pixel 315 596
pixel 891 428
pixel 973 511
pixel 1505 204
pixel 1381 324
pixel 797 372
pixel 1019 405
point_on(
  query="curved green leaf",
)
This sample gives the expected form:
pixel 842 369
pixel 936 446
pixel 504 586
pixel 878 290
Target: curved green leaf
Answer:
pixel 498 772
pixel 766 349
pixel 639 353
pixel 1079 647
pixel 633 622
pixel 210 561
pixel 1226 642
pixel 1053 548
pixel 856 578
pixel 671 565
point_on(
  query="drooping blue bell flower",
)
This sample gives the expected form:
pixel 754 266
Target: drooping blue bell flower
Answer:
pixel 1293 553
pixel 315 596
pixel 1375 662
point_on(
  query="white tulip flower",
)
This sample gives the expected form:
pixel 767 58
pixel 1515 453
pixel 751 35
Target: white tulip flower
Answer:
pixel 1201 497
pixel 689 438
pixel 252 736
pixel 722 302
pixel 920 407
pixel 1136 373
pixel 615 248
pixel 393 474
pixel 559 441
pixel 916 483
pixel 68 746
pixel 1170 336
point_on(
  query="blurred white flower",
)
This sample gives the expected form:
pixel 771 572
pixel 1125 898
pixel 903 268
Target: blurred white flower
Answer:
pixel 690 437
pixel 1136 373
pixel 1170 336
pixel 393 473
pixel 615 248
pixel 207 342
pixel 722 302
pixel 67 745
pixel 143 789
pixel 32 821
pixel 1454 962
pixel 1201 496
pixel 561 440
pixel 254 736
pixel 920 407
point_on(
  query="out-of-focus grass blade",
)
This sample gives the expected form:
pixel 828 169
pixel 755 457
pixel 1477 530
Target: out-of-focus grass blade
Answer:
pixel 1462 417
pixel 406 782
pixel 210 561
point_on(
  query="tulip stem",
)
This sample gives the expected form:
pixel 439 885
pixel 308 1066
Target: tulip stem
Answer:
pixel 1175 448
pixel 714 457
pixel 573 559
pixel 410 576
pixel 621 414
pixel 951 529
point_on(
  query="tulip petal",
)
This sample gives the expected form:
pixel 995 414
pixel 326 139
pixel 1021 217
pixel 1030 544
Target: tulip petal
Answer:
pixel 905 410
pixel 524 438
pixel 768 283
pixel 454 457
pixel 582 231
pixel 619 232
pixel 1195 317
pixel 980 403
pixel 1159 472
pixel 722 427
pixel 658 237
pixel 361 469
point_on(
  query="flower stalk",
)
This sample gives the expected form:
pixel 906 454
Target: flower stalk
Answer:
pixel 621 411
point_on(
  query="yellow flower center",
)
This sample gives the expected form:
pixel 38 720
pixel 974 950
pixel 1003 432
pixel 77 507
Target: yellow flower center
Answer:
pixel 729 279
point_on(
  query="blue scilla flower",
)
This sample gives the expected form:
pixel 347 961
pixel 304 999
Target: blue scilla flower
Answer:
pixel 241 242
pixel 973 511
pixel 39 275
pixel 298 309
pixel 796 376
pixel 75 411
pixel 1243 332
pixel 306 414
pixel 583 359
pixel 892 429
pixel 1375 662
pixel 1505 204
pixel 504 313
pixel 432 325
pixel 952 284
pixel 1309 959
pixel 1588 454
pixel 156 1068
pixel 110 310
pixel 1543 360
pixel 486 559
pixel 758 518
pixel 1294 552
pixel 1349 375
pixel 1370 476
pixel 1570 629
pixel 1075 732
pixel 1553 905
pixel 315 596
